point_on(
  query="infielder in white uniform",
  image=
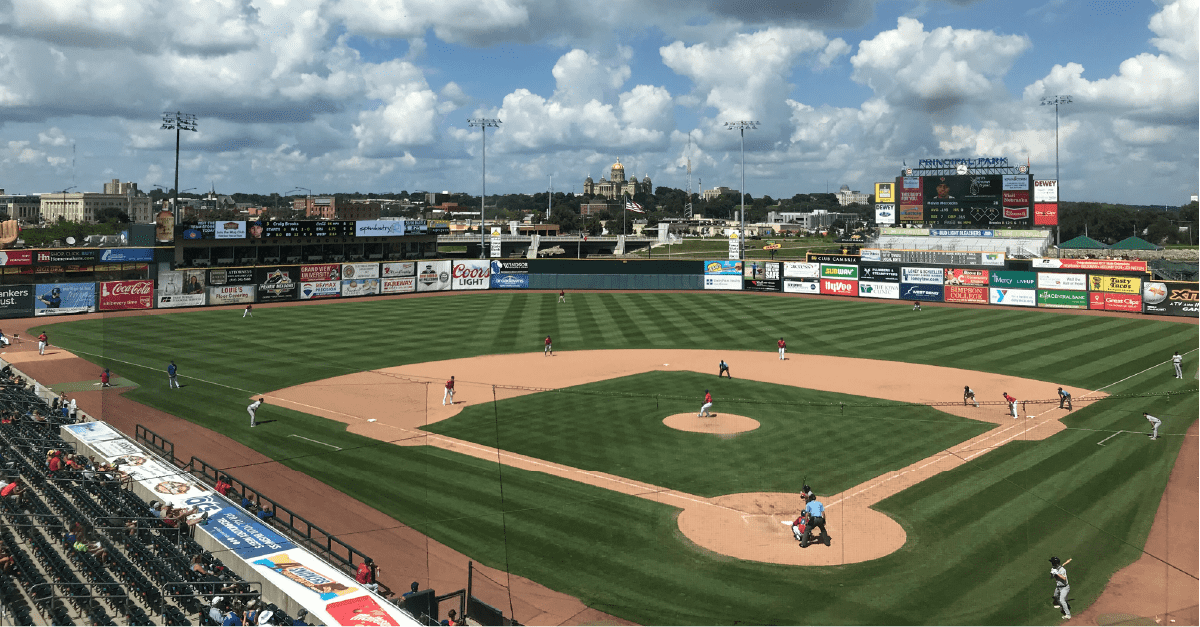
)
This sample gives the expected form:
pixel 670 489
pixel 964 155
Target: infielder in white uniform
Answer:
pixel 1154 422
pixel 1177 360
pixel 253 407
pixel 1058 572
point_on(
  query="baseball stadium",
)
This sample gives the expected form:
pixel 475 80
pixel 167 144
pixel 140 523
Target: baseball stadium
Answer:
pixel 523 442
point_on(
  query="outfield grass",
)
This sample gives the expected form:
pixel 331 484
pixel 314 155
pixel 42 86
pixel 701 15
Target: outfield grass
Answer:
pixel 978 535
pixel 600 426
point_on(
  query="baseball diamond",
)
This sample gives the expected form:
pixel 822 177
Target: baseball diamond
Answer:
pixel 569 471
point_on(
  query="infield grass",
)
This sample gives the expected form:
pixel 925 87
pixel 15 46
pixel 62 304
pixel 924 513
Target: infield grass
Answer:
pixel 978 535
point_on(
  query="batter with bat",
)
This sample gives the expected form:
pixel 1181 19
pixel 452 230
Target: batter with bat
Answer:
pixel 1058 572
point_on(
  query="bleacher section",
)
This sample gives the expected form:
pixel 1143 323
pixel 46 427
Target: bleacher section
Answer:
pixel 1016 244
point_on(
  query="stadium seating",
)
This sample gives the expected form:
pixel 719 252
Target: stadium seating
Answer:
pixel 1013 247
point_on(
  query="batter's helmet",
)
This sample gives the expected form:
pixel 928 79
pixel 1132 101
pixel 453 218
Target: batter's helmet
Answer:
pixel 1054 562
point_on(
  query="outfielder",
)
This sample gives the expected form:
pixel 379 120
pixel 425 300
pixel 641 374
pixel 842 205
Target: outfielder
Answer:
pixel 969 394
pixel 782 349
pixel 562 296
pixel 1177 361
pixel 1064 398
pixel 549 350
pixel 253 407
pixel 249 311
pixel 706 406
pixel 172 376
pixel 1058 572
pixel 449 393
pixel 43 341
pixel 1154 422
pixel 1012 405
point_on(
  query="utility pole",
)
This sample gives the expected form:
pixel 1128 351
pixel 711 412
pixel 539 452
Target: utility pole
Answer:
pixel 1056 101
pixel 741 126
pixel 178 122
pixel 483 124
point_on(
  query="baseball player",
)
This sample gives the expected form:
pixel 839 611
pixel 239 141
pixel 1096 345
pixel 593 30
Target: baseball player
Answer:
pixel 562 296
pixel 172 372
pixel 1177 361
pixel 249 311
pixel 724 370
pixel 782 349
pixel 449 393
pixel 969 395
pixel 1012 405
pixel 253 407
pixel 1058 572
pixel 549 350
pixel 916 305
pixel 706 406
pixel 800 525
pixel 1154 422
pixel 43 341
pixel 1064 398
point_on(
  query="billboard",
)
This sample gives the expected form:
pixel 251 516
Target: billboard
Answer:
pixel 722 282
pixel 231 276
pixel 767 276
pixel 838 271
pixel 885 213
pixel 912 200
pixel 723 266
pixel 830 258
pixel 433 276
pixel 798 270
pixel 973 294
pixel 923 276
pixel 967 276
pixel 1099 265
pixel 876 289
pixel 320 289
pixel 379 228
pixel 509 281
pixel 1115 284
pixel 883 192
pixel 1062 281
pixel 1013 279
pixel 1045 213
pixel 115 295
pixel 51 299
pixel 398 285
pixel 16 301
pixel 1014 297
pixel 888 274
pixel 977 199
pixel 321 272
pixel 839 287
pixel 117 255
pixel 474 274
pixel 360 287
pixel 66 255
pixel 809 286
pixel 933 257
pixel 510 267
pixel 400 268
pixel 1062 299
pixel 922 291
pixel 360 271
pixel 231 294
pixel 1045 191
pixel 1170 298
pixel 184 288
pixel 1115 302
pixel 277 283
pixel 16 257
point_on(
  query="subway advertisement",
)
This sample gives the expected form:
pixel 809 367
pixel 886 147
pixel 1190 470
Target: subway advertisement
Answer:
pixel 1170 298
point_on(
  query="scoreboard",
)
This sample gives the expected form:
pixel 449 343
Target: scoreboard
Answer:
pixel 984 200
pixel 303 228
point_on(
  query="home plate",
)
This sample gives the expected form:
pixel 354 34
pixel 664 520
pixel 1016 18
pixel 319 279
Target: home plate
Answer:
pixel 666 364
pixel 370 420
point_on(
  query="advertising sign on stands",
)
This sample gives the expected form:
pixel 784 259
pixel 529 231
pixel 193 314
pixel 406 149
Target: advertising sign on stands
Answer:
pixel 1115 302
pixel 839 287
pixel 922 291
pixel 360 271
pixel 16 301
pixel 966 276
pixel 764 276
pixel 1062 281
pixel 912 199
pixel 231 294
pixel 244 534
pixel 399 268
pixel 509 281
pixel 305 578
pixel 721 266
pixel 320 289
pixel 1098 265
pixel 1115 284
pixel 883 192
pixel 923 276
pixel 362 610
pixel 722 282
pixel 831 258
pixel 398 285
pixel 231 276
pixel 120 255
pixel 277 283
pixel 803 286
pixel 1170 298
pixel 885 213
pixel 837 271
pixel 433 276
pixel 474 274
pixel 510 267
pixel 1062 299
pixel 116 295
pixel 379 228
pixel 180 289
pixel 321 272
pixel 1045 191
pixel 974 294
pixel 798 270
pixel 66 255
pixel 51 299
pixel 360 287
pixel 1013 279
pixel 16 257
pixel 1017 298
pixel 1045 213
pixel 889 274
pixel 876 289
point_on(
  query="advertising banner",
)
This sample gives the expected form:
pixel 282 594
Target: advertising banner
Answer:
pixel 16 257
pixel 1099 265
pixel 379 228
pixel 231 276
pixel 934 257
pixel 923 276
pixel 1115 284
pixel 722 282
pixel 837 271
pixel 277 283
pixel 244 534
pixel 922 291
pixel 471 275
pixel 64 298
pixel 1062 281
pixel 320 289
pixel 321 272
pixel 399 268
pixel 362 610
pixel 829 258
pixel 433 276
pixel 762 285
pixel 360 271
pixel 839 287
pixel 231 294
pixel 1045 213
pixel 115 295
pixel 305 578
pixel 1062 299
pixel 66 255
pixel 1045 191
pixel 16 301
pixel 190 282
pixel 722 266
pixel 965 276
pixel 360 287
pixel 1017 298
pixel 222 229
pixel 1013 279
pixel 398 285
pixel 798 270
pixel 962 232
pixel 811 286
pixel 167 301
pixel 1115 302
pixel 974 294
pixel 1016 182
pixel 1170 298
pixel 1023 233
pixel 510 267
pixel 910 213
pixel 509 281
pixel 764 276
pixel 883 192
pixel 875 289
pixel 121 255
pixel 92 432
pixel 912 199
pixel 887 274
pixel 885 213
pixel 907 232
pixel 1015 199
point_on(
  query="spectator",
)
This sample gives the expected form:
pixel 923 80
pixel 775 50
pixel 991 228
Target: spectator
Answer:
pixel 97 550
pixel 54 462
pixel 198 567
pixel 300 616
pixel 265 512
pixel 6 561
pixel 74 410
pixel 415 586
pixel 366 575
pixel 131 527
pixel 224 485
pixel 450 618
pixel 13 491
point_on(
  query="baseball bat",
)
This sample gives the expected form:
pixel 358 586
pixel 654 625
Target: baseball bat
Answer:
pixel 1068 561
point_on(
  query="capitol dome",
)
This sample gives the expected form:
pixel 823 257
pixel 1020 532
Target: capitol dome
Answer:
pixel 618 166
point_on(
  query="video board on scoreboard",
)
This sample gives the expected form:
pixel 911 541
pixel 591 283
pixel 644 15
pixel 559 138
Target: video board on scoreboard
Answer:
pixel 303 228
pixel 972 200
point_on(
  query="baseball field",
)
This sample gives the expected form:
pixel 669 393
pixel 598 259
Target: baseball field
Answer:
pixel 606 490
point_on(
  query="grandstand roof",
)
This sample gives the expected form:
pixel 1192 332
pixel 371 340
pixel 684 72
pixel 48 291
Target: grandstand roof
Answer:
pixel 1083 241
pixel 1135 243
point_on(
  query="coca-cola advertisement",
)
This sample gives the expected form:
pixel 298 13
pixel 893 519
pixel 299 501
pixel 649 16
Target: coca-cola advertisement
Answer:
pixel 362 610
pixel 470 275
pixel 117 295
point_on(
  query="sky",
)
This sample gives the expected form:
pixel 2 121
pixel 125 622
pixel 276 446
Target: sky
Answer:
pixel 374 95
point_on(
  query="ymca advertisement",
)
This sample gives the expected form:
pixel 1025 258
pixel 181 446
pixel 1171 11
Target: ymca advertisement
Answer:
pixel 973 294
pixel 471 275
pixel 16 301
pixel 1170 298
pixel 1115 284
pixel 360 287
pixel 51 299
pixel 277 283
pixel 433 276
pixel 1062 299
pixel 320 289
pixel 876 289
pixel 839 287
pixel 922 291
pixel 398 285
pixel 1115 302
pixel 1017 298
pixel 399 268
pixel 231 294
pixel 803 286
pixel 1062 281
pixel 117 295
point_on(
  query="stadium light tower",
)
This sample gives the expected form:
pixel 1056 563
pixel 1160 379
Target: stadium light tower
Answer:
pixel 177 122
pixel 741 126
pixel 483 124
pixel 1056 101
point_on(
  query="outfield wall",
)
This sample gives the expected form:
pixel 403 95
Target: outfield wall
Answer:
pixel 925 276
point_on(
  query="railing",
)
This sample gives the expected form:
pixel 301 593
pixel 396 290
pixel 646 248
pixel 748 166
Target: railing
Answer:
pixel 159 444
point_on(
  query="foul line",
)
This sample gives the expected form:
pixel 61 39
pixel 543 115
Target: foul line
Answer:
pixel 315 441
pixel 1101 442
pixel 1146 370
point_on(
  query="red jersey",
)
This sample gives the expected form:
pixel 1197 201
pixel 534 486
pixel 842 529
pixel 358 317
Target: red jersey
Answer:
pixel 42 337
pixel 707 397
pixel 55 464
pixel 450 384
pixel 547 340
pixel 8 489
pixel 782 344
pixel 1010 398
pixel 363 575
pixel 104 377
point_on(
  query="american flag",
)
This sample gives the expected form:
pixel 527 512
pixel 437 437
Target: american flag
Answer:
pixel 633 206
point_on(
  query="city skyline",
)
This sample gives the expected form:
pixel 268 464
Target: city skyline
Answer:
pixel 341 97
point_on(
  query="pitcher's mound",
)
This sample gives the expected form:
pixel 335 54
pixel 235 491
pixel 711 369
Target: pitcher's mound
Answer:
pixel 721 424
